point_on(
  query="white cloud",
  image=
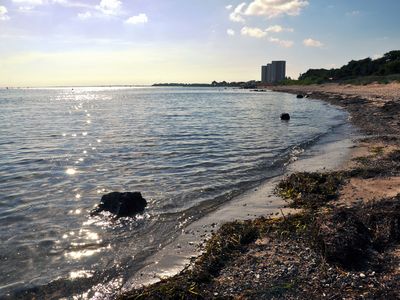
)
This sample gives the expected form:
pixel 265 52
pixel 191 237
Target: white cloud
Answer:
pixel 278 28
pixel 259 33
pixel 236 15
pixel 282 43
pixel 268 8
pixel 85 15
pixel 275 8
pixel 353 13
pixel 3 13
pixel 312 43
pixel 230 32
pixel 109 7
pixel 29 2
pixel 139 19
pixel 253 32
pixel 68 3
pixel 229 7
pixel 26 8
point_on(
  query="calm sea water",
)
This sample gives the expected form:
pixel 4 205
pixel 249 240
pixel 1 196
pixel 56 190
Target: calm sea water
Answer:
pixel 187 150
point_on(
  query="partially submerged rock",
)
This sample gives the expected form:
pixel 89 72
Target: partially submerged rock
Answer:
pixel 285 117
pixel 121 204
pixel 299 96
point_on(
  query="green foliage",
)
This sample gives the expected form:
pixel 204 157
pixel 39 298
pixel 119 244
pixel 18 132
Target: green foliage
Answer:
pixel 389 64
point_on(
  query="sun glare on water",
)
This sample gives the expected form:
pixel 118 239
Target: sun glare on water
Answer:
pixel 71 171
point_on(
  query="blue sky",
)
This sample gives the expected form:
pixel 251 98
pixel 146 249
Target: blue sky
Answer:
pixel 74 42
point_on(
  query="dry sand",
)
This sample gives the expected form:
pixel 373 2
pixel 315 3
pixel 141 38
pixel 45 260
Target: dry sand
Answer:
pixel 372 189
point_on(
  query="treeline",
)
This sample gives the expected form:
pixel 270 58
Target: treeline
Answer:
pixel 182 84
pixel 248 84
pixel 387 65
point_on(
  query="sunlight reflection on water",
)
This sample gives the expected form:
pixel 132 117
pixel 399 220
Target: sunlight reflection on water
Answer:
pixel 71 171
pixel 80 274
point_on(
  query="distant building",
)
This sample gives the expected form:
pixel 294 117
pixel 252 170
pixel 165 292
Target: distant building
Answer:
pixel 273 72
pixel 264 74
pixel 279 70
pixel 269 73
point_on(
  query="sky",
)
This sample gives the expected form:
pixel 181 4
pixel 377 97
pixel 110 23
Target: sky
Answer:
pixel 108 42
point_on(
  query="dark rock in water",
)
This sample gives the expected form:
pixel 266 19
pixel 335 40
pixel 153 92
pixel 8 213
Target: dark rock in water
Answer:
pixel 299 96
pixel 121 204
pixel 285 117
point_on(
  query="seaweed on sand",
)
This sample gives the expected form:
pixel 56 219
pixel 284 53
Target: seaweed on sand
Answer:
pixel 230 240
pixel 310 190
pixel 353 236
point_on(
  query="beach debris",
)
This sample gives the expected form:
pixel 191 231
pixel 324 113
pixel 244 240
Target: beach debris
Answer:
pixel 121 204
pixel 299 96
pixel 343 238
pixel 285 117
pixel 391 108
pixel 310 190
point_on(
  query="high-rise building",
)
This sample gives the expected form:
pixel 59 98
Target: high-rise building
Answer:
pixel 273 72
pixel 269 73
pixel 279 70
pixel 264 74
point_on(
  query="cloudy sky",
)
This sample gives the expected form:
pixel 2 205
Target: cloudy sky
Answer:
pixel 92 42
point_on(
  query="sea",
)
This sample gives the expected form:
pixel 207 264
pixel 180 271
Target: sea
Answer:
pixel 187 150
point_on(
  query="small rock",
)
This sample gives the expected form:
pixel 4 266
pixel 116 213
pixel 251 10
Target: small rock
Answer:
pixel 121 204
pixel 285 117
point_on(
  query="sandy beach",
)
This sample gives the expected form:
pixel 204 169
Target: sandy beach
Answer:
pixel 379 116
pixel 343 243
pixel 377 94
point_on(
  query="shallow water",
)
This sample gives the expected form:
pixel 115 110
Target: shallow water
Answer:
pixel 187 150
